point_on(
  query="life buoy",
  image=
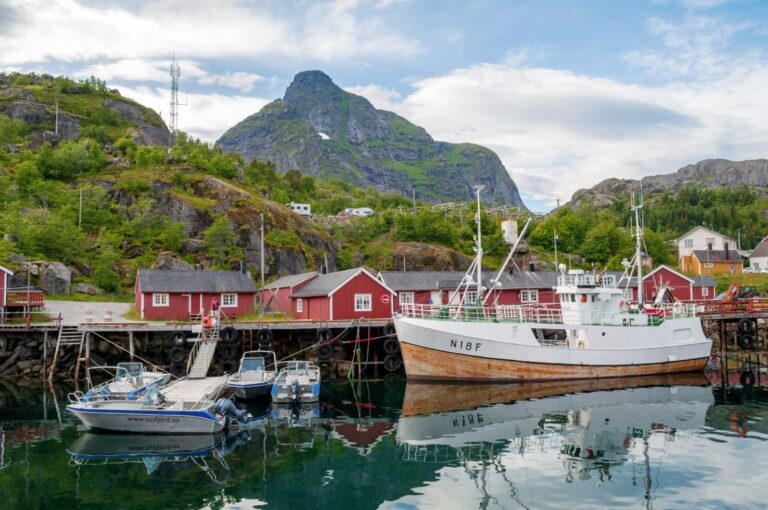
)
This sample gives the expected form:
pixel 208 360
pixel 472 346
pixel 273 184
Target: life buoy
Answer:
pixel 623 305
pixel 747 378
pixel 264 337
pixel 746 340
pixel 324 352
pixel 178 339
pixel 391 346
pixel 745 325
pixel 392 362
pixel 229 334
pixel 228 352
pixel 323 335
pixel 178 354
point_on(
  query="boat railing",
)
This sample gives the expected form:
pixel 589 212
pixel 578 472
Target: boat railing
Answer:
pixel 585 280
pixel 511 313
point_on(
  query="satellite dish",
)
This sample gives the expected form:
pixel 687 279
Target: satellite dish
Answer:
pixel 562 268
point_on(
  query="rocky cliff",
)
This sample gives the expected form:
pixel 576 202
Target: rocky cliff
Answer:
pixel 710 173
pixel 320 129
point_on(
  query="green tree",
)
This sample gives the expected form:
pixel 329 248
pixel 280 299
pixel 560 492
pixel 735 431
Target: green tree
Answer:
pixel 220 242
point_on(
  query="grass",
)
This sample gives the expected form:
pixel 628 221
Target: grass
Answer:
pixel 759 280
pixel 91 298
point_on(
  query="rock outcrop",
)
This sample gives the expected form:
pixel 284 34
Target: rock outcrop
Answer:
pixel 322 130
pixel 56 279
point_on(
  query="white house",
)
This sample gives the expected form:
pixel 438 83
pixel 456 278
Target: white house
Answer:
pixel 359 211
pixel 702 238
pixel 758 259
pixel 301 209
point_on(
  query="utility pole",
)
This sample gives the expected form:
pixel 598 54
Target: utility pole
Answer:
pixel 56 128
pixel 413 192
pixel 262 254
pixel 80 210
pixel 556 265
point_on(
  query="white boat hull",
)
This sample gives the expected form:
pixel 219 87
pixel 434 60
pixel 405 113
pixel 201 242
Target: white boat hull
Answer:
pixel 160 421
pixel 507 351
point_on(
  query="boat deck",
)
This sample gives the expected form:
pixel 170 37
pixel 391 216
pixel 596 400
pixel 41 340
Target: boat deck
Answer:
pixel 207 388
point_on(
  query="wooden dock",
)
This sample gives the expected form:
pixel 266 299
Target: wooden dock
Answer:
pixel 193 390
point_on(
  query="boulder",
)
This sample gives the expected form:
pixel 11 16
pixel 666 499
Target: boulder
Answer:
pixel 168 261
pixel 56 279
pixel 87 288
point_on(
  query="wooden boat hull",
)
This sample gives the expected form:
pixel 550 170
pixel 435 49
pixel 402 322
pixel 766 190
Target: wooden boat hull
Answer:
pixel 423 363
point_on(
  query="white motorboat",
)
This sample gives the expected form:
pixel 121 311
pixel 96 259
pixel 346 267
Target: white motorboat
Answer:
pixel 129 380
pixel 254 379
pixel 595 332
pixel 297 382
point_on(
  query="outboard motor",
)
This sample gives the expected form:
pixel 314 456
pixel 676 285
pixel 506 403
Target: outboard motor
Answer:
pixel 225 407
pixel 295 390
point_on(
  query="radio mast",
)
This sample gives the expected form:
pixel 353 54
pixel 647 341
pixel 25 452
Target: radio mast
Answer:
pixel 175 74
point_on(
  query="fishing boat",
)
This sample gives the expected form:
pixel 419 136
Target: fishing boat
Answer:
pixel 594 333
pixel 153 413
pixel 256 374
pixel 297 382
pixel 129 381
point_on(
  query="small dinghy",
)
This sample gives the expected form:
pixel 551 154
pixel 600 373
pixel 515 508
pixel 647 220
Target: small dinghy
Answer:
pixel 256 375
pixel 129 381
pixel 297 382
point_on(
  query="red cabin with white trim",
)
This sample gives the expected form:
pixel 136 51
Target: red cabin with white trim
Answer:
pixel 343 295
pixel 180 294
pixel 276 296
pixel 5 276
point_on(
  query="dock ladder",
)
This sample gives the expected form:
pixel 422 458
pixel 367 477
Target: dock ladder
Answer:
pixel 68 335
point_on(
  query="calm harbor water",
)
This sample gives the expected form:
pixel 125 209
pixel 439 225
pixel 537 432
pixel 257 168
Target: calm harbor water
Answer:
pixel 673 442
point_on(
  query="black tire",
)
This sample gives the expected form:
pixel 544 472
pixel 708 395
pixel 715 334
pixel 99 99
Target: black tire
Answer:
pixel 178 369
pixel 228 352
pixel 179 339
pixel 392 362
pixel 324 335
pixel 229 335
pixel 747 378
pixel 324 352
pixel 746 341
pixel 178 355
pixel 391 346
pixel 745 325
pixel 264 337
pixel 389 330
pixel 227 366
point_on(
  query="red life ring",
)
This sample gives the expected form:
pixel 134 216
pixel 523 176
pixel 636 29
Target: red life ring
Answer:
pixel 623 306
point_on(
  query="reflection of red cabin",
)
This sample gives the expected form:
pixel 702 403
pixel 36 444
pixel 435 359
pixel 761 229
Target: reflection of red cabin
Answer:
pixel 343 295
pixel 364 435
pixel 683 288
pixel 276 296
pixel 162 294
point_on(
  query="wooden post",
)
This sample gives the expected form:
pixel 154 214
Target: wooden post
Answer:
pixel 130 344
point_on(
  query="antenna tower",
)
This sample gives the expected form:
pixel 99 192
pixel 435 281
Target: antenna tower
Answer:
pixel 175 73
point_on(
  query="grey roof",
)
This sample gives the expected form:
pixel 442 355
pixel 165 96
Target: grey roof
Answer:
pixel 290 280
pixel 171 280
pixel 434 280
pixel 718 256
pixel 761 250
pixel 698 281
pixel 325 283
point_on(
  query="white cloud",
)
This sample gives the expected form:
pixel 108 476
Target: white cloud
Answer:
pixel 205 116
pixel 66 30
pixel 244 82
pixel 382 98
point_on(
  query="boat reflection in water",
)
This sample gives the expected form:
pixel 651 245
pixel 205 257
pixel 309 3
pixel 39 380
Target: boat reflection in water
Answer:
pixel 204 451
pixel 581 430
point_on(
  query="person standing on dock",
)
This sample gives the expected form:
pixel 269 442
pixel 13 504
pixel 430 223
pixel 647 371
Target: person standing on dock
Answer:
pixel 215 308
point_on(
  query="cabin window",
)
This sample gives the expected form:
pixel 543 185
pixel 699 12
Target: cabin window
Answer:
pixel 688 243
pixel 406 298
pixel 299 305
pixel 362 302
pixel 704 291
pixel 471 297
pixel 628 294
pixel 530 296
pixel 710 242
pixel 160 299
pixel 756 265
pixel 708 264
pixel 229 300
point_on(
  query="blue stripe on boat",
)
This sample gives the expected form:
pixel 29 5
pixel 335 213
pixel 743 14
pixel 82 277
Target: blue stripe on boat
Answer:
pixel 199 414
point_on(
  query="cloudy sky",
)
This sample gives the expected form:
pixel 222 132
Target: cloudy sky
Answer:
pixel 567 92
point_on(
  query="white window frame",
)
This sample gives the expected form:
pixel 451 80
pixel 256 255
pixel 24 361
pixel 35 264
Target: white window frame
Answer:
pixel 710 241
pixel 705 292
pixel 299 305
pixel 406 298
pixel 233 300
pixel 688 243
pixel 756 265
pixel 629 294
pixel 470 298
pixel 709 265
pixel 363 303
pixel 529 296
pixel 161 299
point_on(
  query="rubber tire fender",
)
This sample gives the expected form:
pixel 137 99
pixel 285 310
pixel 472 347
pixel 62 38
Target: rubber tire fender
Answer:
pixel 178 369
pixel 178 354
pixel 229 334
pixel 324 335
pixel 264 336
pixel 391 346
pixel 227 366
pixel 746 341
pixel 179 339
pixel 324 352
pixel 745 325
pixel 393 362
pixel 747 378
pixel 228 352
pixel 389 329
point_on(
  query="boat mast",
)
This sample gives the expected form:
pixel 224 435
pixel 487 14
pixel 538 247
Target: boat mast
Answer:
pixel 639 249
pixel 479 246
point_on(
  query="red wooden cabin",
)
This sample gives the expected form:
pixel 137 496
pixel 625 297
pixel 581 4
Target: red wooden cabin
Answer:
pixel 276 296
pixel 682 287
pixel 162 294
pixel 343 295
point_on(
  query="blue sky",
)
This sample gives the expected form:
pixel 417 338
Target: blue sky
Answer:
pixel 568 93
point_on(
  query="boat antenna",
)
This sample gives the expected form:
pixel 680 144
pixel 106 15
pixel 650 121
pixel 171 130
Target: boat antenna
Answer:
pixel 479 245
pixel 639 246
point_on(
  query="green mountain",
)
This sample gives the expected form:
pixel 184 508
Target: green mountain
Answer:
pixel 321 130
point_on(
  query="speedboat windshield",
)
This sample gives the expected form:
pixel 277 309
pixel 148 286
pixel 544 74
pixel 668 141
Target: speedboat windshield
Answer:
pixel 252 365
pixel 131 367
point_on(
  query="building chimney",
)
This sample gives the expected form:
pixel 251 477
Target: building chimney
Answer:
pixel 244 266
pixel 532 267
pixel 323 269
pixel 726 252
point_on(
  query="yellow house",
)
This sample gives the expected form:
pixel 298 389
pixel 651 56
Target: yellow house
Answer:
pixel 712 262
